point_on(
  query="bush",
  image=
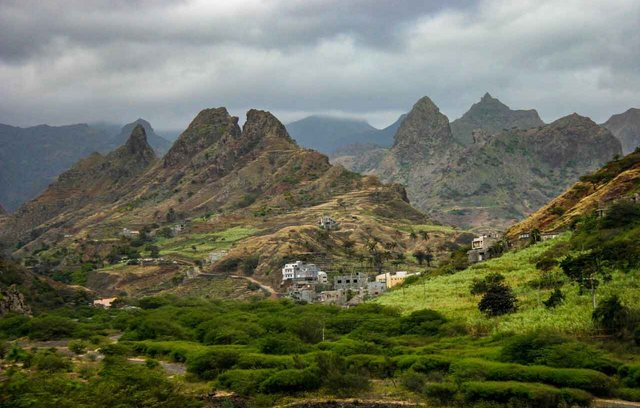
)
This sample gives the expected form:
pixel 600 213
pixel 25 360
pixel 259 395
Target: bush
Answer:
pixel 554 299
pixel 611 315
pixel 512 393
pixel 283 343
pixel 630 375
pixel 292 380
pixel 340 377
pixel 50 361
pixel 480 286
pixel 12 326
pixel 498 300
pixel 423 322
pixel 77 347
pixel 51 328
pixel 584 379
pixel 244 382
pixel 413 381
pixel 209 365
pixel 443 393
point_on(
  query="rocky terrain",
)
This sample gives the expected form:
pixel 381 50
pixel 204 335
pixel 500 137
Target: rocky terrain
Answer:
pixel 626 127
pixel 492 116
pixel 218 176
pixel 618 179
pixel 498 179
pixel 31 158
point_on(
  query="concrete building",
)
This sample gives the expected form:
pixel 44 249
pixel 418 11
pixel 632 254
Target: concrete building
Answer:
pixel 327 223
pixel 301 271
pixel 352 281
pixel 391 279
pixel 127 233
pixel 480 248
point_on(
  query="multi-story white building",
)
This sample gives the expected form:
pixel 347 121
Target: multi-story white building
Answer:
pixel 391 279
pixel 301 271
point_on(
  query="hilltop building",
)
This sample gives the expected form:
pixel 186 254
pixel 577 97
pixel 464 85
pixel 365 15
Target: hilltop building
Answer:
pixel 327 223
pixel 480 248
pixel 301 271
pixel 391 279
pixel 353 281
pixel 127 233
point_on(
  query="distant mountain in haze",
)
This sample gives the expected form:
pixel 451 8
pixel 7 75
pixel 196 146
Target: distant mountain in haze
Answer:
pixel 327 134
pixel 31 158
pixel 626 127
pixel 498 179
pixel 492 116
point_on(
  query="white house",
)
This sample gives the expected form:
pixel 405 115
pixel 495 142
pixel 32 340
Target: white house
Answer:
pixel 127 233
pixel 301 271
pixel 327 222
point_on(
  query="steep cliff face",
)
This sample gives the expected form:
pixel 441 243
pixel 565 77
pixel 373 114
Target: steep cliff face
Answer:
pixel 626 128
pixel 92 182
pixel 213 167
pixel 12 301
pixel 498 179
pixel 492 116
pixel 618 179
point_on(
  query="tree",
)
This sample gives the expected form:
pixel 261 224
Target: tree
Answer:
pixel 429 258
pixel 588 271
pixel 171 215
pixel 498 300
pixel 420 256
pixel 535 236
pixel 611 315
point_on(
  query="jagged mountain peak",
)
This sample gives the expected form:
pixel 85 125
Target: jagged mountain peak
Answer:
pixel 423 126
pixel 491 115
pixel 208 127
pixel 626 128
pixel 263 124
pixel 137 144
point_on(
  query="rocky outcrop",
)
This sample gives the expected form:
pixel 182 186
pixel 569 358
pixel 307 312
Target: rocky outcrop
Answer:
pixel 90 183
pixel 12 301
pixel 492 116
pixel 497 180
pixel 626 128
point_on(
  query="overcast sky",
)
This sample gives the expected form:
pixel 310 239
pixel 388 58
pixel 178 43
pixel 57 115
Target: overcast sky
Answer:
pixel 164 60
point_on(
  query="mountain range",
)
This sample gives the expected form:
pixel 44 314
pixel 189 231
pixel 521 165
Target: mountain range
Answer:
pixel 501 176
pixel 31 158
pixel 255 175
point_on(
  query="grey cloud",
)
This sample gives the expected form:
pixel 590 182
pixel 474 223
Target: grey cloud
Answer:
pixel 72 61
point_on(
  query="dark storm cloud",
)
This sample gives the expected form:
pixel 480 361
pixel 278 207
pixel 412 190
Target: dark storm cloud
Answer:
pixel 69 61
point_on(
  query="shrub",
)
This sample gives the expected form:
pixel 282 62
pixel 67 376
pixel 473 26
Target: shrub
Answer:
pixel 584 379
pixel 480 286
pixel 281 344
pixel 630 375
pixel 555 299
pixel 342 379
pixel 498 300
pixel 424 322
pixel 258 361
pixel 244 382
pixel 443 393
pixel 611 315
pixel 512 393
pixel 413 381
pixel 50 361
pixel 77 347
pixel 51 328
pixel 292 380
pixel 527 349
pixel 208 365
pixel 14 325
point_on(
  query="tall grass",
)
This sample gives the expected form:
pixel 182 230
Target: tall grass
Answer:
pixel 449 294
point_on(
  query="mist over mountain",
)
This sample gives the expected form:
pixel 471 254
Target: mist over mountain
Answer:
pixel 31 158
pixel 496 180
pixel 626 127
pixel 492 116
pixel 327 134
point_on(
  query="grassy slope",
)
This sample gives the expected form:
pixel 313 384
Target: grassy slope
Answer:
pixel 449 294
pixel 182 244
